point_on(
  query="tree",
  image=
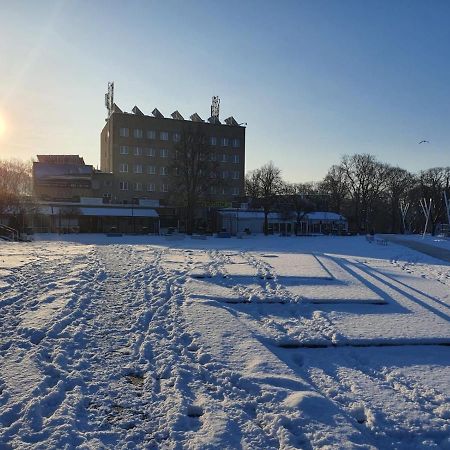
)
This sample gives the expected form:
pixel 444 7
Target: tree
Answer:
pixel 365 177
pixel 15 182
pixel 431 185
pixel 194 172
pixel 298 198
pixel 336 186
pixel 399 183
pixel 263 185
pixel 15 190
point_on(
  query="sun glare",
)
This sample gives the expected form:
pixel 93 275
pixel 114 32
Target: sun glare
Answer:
pixel 2 126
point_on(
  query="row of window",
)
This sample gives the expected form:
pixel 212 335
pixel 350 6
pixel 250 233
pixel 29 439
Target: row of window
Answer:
pixel 138 133
pixel 151 170
pixel 140 151
pixel 164 153
pixel 151 187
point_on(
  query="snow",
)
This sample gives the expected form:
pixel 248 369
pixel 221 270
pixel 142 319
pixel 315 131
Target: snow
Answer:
pixel 257 343
pixel 436 241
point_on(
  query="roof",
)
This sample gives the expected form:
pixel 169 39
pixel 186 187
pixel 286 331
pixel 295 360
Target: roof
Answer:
pixel 317 215
pixel 61 159
pixel 249 214
pixel 100 211
pixel 324 215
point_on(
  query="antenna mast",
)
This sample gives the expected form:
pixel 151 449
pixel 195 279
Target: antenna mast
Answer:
pixel 215 107
pixel 109 98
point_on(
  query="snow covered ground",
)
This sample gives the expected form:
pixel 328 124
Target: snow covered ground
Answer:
pixel 255 343
pixel 437 241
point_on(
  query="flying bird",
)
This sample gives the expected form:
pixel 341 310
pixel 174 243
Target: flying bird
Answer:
pixel 424 142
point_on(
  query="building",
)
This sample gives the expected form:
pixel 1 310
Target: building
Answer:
pixel 141 150
pixel 73 196
pixel 236 221
pixel 139 185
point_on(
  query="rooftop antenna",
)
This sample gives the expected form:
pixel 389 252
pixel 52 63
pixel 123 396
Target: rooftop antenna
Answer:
pixel 109 98
pixel 215 107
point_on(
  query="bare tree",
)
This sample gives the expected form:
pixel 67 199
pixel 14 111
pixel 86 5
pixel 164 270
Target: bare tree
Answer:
pixel 15 190
pixel 263 185
pixel 298 198
pixel 399 183
pixel 335 184
pixel 365 177
pixel 194 172
pixel 431 185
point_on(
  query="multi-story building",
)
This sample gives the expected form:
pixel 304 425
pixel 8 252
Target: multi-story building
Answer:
pixel 140 151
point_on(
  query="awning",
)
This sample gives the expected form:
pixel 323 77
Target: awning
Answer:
pixel 97 211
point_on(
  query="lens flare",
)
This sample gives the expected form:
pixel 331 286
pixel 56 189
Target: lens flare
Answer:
pixel 2 126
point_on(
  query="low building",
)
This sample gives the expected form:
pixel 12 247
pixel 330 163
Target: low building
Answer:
pixel 74 197
pixel 237 221
pixel 322 222
pixel 93 216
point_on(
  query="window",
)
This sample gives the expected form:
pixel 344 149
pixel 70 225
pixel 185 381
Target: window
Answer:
pixel 163 153
pixel 224 158
pixel 212 190
pixel 124 132
pixel 123 149
pixel 150 152
pixel 123 185
pixel 151 134
pixel 177 171
pixel 151 170
pixel 224 142
pixel 138 133
pixel 223 191
pixel 176 137
pixel 164 136
pixel 164 188
pixel 236 159
pixel 138 186
pixel 212 156
pixel 235 191
pixel 151 187
pixel 138 168
pixel 235 175
pixel 123 167
pixel 163 171
pixel 212 140
pixel 137 151
pixel 236 143
pixel 224 174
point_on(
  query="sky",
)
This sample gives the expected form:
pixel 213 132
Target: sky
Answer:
pixel 314 80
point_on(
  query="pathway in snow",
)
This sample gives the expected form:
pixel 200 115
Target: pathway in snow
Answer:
pixel 149 346
pixel 424 247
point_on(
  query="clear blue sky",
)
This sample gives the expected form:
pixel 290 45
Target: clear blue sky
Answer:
pixel 313 79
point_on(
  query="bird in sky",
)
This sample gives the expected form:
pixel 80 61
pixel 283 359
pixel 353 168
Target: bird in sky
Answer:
pixel 424 142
